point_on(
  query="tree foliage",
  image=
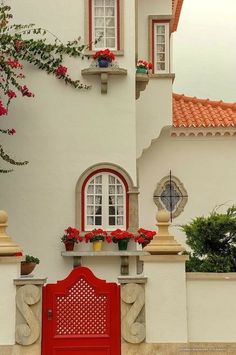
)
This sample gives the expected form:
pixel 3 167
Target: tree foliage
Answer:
pixel 213 242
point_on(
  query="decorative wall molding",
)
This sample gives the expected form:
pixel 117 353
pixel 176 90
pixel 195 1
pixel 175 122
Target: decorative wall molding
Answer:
pixel 203 132
pixel 27 332
pixel 132 313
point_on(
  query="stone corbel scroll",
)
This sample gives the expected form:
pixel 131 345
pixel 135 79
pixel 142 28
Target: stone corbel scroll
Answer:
pixel 27 333
pixel 132 329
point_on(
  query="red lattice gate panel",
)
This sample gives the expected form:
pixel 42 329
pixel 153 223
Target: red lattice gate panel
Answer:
pixel 81 315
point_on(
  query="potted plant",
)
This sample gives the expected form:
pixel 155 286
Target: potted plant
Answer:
pixel 104 57
pixel 144 236
pixel 71 237
pixel 143 66
pixel 122 238
pixel 29 264
pixel 97 236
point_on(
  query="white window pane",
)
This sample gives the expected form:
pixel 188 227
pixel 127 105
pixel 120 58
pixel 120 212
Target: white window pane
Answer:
pixel 161 57
pixel 160 29
pixel 120 221
pixel 112 179
pixel 98 200
pixel 98 179
pixel 110 2
pixel 90 210
pixel 109 11
pixel 98 221
pixel 111 200
pixel 90 200
pixel 98 189
pixel 90 189
pixel 160 48
pixel 119 189
pixel 160 66
pixel 98 210
pixel 112 189
pixel 99 22
pixel 99 2
pixel 110 32
pixel 160 39
pixel 120 211
pixel 112 221
pixel 90 221
pixel 112 211
pixel 99 32
pixel 119 200
pixel 110 22
pixel 99 11
pixel 99 44
pixel 110 43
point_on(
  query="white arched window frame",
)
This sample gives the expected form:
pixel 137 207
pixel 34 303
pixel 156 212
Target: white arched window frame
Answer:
pixel 104 202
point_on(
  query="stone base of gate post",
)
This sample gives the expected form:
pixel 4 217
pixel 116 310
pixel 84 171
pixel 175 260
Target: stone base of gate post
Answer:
pixel 133 328
pixel 28 315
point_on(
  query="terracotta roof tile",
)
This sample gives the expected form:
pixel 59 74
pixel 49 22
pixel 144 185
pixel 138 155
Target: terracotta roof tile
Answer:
pixel 194 112
pixel 176 10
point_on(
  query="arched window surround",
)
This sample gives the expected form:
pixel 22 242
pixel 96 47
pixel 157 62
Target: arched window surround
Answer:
pixel 132 220
pixel 104 170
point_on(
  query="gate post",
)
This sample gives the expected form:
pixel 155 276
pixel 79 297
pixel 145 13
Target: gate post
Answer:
pixel 10 258
pixel 166 306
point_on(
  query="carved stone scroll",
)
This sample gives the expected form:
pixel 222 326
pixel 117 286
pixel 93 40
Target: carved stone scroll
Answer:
pixel 27 333
pixel 132 324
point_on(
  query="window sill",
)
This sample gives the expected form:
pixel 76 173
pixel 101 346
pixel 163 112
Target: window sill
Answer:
pixel 104 74
pixel 162 76
pixel 124 256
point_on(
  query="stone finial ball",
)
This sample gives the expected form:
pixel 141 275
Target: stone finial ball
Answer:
pixel 163 216
pixel 3 217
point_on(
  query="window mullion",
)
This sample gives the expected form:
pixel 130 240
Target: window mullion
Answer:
pixel 105 187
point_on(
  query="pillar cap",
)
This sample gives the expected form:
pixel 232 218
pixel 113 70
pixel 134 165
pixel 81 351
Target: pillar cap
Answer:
pixel 7 246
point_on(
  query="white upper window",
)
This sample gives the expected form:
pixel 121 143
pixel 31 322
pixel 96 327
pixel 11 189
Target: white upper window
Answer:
pixel 105 202
pixel 104 24
pixel 161 47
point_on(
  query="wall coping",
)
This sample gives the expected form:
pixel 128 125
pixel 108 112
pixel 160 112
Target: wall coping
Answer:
pixel 132 279
pixel 224 276
pixel 11 259
pixel 164 258
pixel 30 281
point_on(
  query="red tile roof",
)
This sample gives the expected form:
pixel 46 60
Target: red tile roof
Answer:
pixel 194 112
pixel 176 10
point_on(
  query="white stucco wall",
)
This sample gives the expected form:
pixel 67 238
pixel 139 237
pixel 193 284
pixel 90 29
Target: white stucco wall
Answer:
pixel 211 310
pixel 165 302
pixel 8 272
pixel 62 132
pixel 205 165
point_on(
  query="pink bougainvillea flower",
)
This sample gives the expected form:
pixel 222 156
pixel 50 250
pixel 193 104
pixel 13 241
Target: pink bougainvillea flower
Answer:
pixel 11 131
pixel 14 63
pixel 25 91
pixel 3 110
pixel 11 94
pixel 61 70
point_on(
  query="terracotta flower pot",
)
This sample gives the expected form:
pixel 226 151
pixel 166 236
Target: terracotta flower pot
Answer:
pixel 27 268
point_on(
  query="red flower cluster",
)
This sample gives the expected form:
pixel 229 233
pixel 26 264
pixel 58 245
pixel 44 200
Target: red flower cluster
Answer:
pixel 97 234
pixel 71 235
pixel 14 63
pixel 25 91
pixel 105 54
pixel 144 64
pixel 3 110
pixel 61 70
pixel 11 131
pixel 11 94
pixel 118 234
pixel 145 236
pixel 19 253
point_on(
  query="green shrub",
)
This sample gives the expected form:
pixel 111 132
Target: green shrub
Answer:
pixel 31 259
pixel 213 242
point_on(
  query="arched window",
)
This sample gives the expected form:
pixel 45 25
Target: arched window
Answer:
pixel 104 201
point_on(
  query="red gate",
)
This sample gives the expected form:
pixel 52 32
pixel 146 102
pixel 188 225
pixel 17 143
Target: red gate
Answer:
pixel 81 315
